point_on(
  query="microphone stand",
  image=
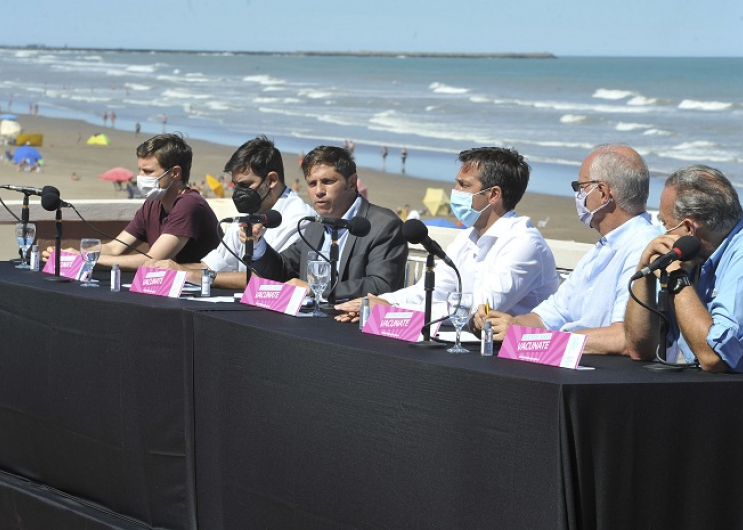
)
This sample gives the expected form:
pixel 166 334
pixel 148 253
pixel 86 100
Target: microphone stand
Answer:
pixel 57 249
pixel 334 259
pixel 663 319
pixel 248 256
pixel 24 219
pixel 429 283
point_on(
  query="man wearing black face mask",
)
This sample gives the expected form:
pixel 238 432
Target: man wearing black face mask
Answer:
pixel 257 172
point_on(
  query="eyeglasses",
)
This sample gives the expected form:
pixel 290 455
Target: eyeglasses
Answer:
pixel 578 185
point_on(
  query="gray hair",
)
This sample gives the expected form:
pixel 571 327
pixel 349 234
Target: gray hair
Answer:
pixel 705 195
pixel 625 172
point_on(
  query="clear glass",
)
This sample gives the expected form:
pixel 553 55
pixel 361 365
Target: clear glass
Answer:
pixel 25 233
pixel 459 306
pixel 318 276
pixel 90 251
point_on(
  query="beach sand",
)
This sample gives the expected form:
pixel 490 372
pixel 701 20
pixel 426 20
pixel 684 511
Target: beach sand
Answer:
pixel 65 151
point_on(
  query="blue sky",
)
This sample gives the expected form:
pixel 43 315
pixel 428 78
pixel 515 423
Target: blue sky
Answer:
pixel 569 27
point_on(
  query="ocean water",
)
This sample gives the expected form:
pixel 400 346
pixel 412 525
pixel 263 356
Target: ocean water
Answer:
pixel 673 111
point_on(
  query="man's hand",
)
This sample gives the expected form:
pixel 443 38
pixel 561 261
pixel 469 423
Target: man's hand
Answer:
pixel 658 247
pixel 48 251
pixel 352 308
pixel 258 231
pixel 192 275
pixel 500 322
pixel 299 283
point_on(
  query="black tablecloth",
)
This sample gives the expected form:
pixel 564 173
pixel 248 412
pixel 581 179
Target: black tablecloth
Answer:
pixel 120 411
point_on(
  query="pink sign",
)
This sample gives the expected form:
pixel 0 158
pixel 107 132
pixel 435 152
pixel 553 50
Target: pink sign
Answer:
pixel 535 345
pixel 272 295
pixel 396 323
pixel 70 264
pixel 160 282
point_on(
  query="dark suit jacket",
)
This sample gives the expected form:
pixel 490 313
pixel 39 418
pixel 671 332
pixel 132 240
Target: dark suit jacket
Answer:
pixel 371 264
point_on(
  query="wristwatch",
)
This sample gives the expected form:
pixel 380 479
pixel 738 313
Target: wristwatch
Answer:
pixel 677 280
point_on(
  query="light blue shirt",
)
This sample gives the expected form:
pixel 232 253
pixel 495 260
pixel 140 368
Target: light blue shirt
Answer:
pixel 595 294
pixel 720 288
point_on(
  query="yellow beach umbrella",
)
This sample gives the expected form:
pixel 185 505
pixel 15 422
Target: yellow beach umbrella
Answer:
pixel 98 139
pixel 215 186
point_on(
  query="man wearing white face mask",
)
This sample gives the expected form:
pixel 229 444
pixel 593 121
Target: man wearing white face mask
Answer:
pixel 610 196
pixel 503 260
pixel 175 222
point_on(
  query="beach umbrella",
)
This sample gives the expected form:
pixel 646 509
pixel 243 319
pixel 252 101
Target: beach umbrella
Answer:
pixel 8 117
pixel 28 153
pixel 436 201
pixel 439 221
pixel 10 128
pixel 98 139
pixel 117 174
pixel 215 186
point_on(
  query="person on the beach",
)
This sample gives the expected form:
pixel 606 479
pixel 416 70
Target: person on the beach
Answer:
pixel 403 158
pixel 373 263
pixel 257 170
pixel 113 119
pixel 137 128
pixel 610 195
pixel 384 158
pixel 705 293
pixel 502 258
pixel 175 222
pixel 105 118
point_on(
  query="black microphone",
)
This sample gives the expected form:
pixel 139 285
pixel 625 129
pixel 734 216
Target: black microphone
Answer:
pixel 356 226
pixel 269 219
pixel 23 189
pixel 686 248
pixel 50 200
pixel 415 232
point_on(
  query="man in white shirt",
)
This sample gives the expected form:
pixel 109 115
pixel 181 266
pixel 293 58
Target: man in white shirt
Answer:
pixel 610 195
pixel 257 171
pixel 502 259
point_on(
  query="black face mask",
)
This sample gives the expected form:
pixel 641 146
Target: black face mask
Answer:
pixel 247 200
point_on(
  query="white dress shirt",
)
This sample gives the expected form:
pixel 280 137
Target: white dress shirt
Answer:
pixel 291 207
pixel 510 267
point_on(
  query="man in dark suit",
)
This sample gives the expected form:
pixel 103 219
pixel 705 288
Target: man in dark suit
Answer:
pixel 370 264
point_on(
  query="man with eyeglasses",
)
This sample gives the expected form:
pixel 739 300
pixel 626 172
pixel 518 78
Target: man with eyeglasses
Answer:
pixel 257 171
pixel 705 293
pixel 610 196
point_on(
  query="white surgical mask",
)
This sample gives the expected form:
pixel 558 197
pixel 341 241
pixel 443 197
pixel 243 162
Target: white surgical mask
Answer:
pixel 149 187
pixel 584 214
pixel 461 206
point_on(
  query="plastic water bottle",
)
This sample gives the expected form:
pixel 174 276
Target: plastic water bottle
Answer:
pixel 364 312
pixel 34 258
pixel 206 282
pixel 115 278
pixel 486 346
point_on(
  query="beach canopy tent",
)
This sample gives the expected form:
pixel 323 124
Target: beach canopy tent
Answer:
pixel 30 139
pixel 28 153
pixel 11 117
pixel 117 174
pixel 215 186
pixel 443 223
pixel 10 129
pixel 98 139
pixel 436 201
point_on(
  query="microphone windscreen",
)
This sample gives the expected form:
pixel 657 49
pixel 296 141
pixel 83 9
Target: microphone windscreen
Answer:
pixel 414 231
pixel 51 190
pixel 359 226
pixel 687 247
pixel 273 218
pixel 49 201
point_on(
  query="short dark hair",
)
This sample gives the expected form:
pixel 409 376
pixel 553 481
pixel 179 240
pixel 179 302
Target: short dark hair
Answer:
pixel 501 167
pixel 338 158
pixel 170 150
pixel 705 195
pixel 258 154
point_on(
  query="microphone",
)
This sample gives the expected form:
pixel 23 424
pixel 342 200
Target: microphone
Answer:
pixel 685 249
pixel 414 231
pixel 23 189
pixel 356 226
pixel 269 219
pixel 50 200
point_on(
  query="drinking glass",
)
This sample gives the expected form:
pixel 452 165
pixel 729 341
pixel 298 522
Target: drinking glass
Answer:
pixel 318 276
pixel 459 305
pixel 90 251
pixel 25 233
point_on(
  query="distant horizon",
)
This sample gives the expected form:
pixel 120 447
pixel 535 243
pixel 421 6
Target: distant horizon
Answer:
pixel 360 53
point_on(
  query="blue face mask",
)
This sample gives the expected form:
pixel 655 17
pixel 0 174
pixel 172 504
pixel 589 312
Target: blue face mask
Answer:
pixel 461 206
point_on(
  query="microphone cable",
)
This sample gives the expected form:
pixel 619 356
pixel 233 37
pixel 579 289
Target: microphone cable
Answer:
pixel 11 212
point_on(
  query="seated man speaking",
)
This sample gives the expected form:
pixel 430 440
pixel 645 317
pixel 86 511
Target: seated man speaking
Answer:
pixel 503 260
pixel 375 262
pixel 257 171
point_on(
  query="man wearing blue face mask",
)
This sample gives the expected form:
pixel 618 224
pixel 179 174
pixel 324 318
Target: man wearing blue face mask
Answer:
pixel 610 196
pixel 257 171
pixel 175 222
pixel 503 260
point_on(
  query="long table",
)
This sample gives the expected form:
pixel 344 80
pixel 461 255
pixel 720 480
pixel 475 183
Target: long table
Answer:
pixel 122 411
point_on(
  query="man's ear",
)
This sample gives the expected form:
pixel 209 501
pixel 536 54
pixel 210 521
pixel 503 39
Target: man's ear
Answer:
pixel 273 179
pixel 353 181
pixel 494 194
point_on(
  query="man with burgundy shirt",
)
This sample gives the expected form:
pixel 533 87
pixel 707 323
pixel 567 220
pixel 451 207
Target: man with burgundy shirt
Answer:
pixel 175 222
